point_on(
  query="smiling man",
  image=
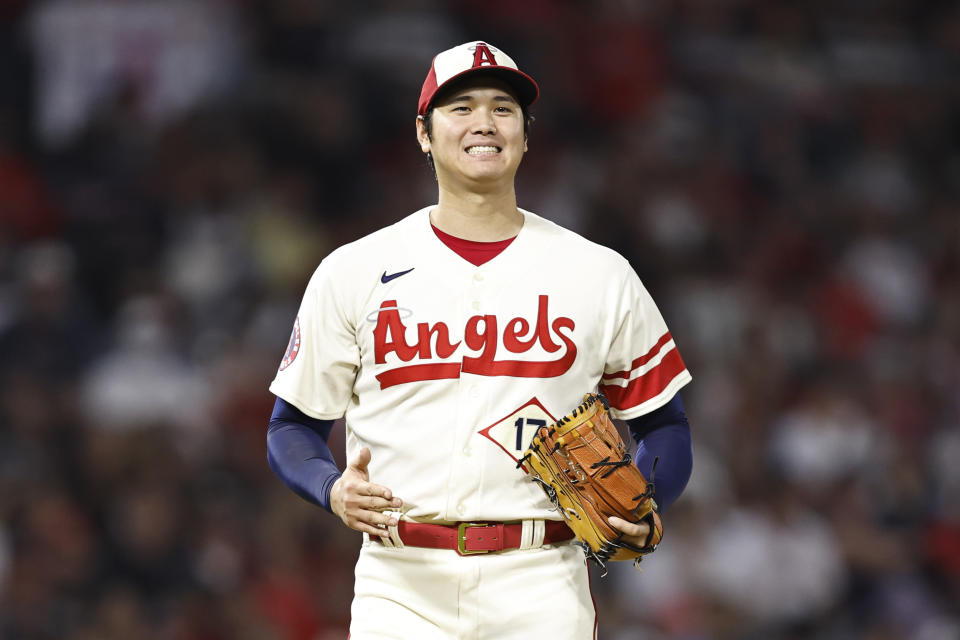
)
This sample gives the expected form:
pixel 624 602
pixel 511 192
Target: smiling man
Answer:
pixel 445 340
pixel 476 137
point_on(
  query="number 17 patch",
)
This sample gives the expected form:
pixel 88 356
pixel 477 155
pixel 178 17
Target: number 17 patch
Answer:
pixel 514 432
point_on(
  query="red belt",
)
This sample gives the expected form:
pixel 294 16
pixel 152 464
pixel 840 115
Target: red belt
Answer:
pixel 469 538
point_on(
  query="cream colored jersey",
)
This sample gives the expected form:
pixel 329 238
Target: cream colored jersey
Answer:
pixel 445 369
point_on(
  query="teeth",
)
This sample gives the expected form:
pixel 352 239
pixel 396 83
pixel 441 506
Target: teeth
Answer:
pixel 476 150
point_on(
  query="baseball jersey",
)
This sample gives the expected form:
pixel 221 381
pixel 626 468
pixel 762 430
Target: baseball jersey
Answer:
pixel 445 369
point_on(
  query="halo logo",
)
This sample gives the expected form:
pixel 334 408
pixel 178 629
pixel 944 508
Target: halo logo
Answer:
pixel 293 347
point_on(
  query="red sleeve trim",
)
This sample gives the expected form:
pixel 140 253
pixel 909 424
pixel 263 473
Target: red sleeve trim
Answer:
pixel 642 360
pixel 647 386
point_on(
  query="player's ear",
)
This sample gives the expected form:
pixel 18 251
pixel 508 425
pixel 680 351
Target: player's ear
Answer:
pixel 527 123
pixel 423 136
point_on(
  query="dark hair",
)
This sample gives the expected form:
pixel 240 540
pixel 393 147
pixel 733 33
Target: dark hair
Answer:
pixel 428 126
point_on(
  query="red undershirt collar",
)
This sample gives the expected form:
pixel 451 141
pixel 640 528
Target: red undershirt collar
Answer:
pixel 476 253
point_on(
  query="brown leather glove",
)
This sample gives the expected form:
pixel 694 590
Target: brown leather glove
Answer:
pixel 583 465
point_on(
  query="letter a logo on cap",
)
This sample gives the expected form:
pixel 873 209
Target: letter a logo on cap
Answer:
pixel 482 56
pixel 455 63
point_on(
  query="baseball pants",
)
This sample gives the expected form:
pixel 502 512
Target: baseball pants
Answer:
pixel 436 594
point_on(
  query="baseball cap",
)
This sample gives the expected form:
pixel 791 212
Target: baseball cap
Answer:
pixel 474 57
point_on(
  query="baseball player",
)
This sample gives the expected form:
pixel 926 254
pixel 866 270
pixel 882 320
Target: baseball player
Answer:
pixel 445 340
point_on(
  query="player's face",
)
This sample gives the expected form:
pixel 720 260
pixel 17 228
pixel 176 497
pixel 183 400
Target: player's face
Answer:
pixel 478 138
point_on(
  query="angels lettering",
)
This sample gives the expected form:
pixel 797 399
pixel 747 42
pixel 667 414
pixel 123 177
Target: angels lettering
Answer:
pixel 482 339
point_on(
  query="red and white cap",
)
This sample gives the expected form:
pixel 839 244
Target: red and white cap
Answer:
pixel 474 57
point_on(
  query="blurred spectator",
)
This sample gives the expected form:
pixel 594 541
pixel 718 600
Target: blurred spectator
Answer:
pixel 824 440
pixel 774 566
pixel 161 57
pixel 26 208
pixel 144 380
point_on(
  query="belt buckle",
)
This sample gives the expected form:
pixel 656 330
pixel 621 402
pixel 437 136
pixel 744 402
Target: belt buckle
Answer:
pixel 461 539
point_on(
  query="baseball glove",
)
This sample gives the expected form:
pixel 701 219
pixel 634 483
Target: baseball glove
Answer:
pixel 583 465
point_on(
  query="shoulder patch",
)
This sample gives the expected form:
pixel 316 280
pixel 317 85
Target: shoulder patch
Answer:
pixel 293 347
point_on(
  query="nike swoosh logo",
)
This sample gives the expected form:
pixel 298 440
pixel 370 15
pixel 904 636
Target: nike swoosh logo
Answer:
pixel 387 278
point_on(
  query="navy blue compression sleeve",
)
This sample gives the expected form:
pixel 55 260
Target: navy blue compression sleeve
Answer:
pixel 665 434
pixel 297 452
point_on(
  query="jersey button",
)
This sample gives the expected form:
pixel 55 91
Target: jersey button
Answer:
pixel 461 509
pixel 476 305
pixel 478 277
pixel 467 451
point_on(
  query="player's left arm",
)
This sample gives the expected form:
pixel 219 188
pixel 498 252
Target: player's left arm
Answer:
pixel 663 435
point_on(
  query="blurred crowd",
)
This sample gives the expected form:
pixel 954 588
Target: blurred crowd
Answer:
pixel 784 176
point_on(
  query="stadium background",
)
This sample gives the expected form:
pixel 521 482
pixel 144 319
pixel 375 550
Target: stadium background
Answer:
pixel 783 175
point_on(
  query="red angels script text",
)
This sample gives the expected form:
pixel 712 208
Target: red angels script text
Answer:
pixel 483 336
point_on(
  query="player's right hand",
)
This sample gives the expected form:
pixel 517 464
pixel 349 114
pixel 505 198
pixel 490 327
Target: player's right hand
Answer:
pixel 359 502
